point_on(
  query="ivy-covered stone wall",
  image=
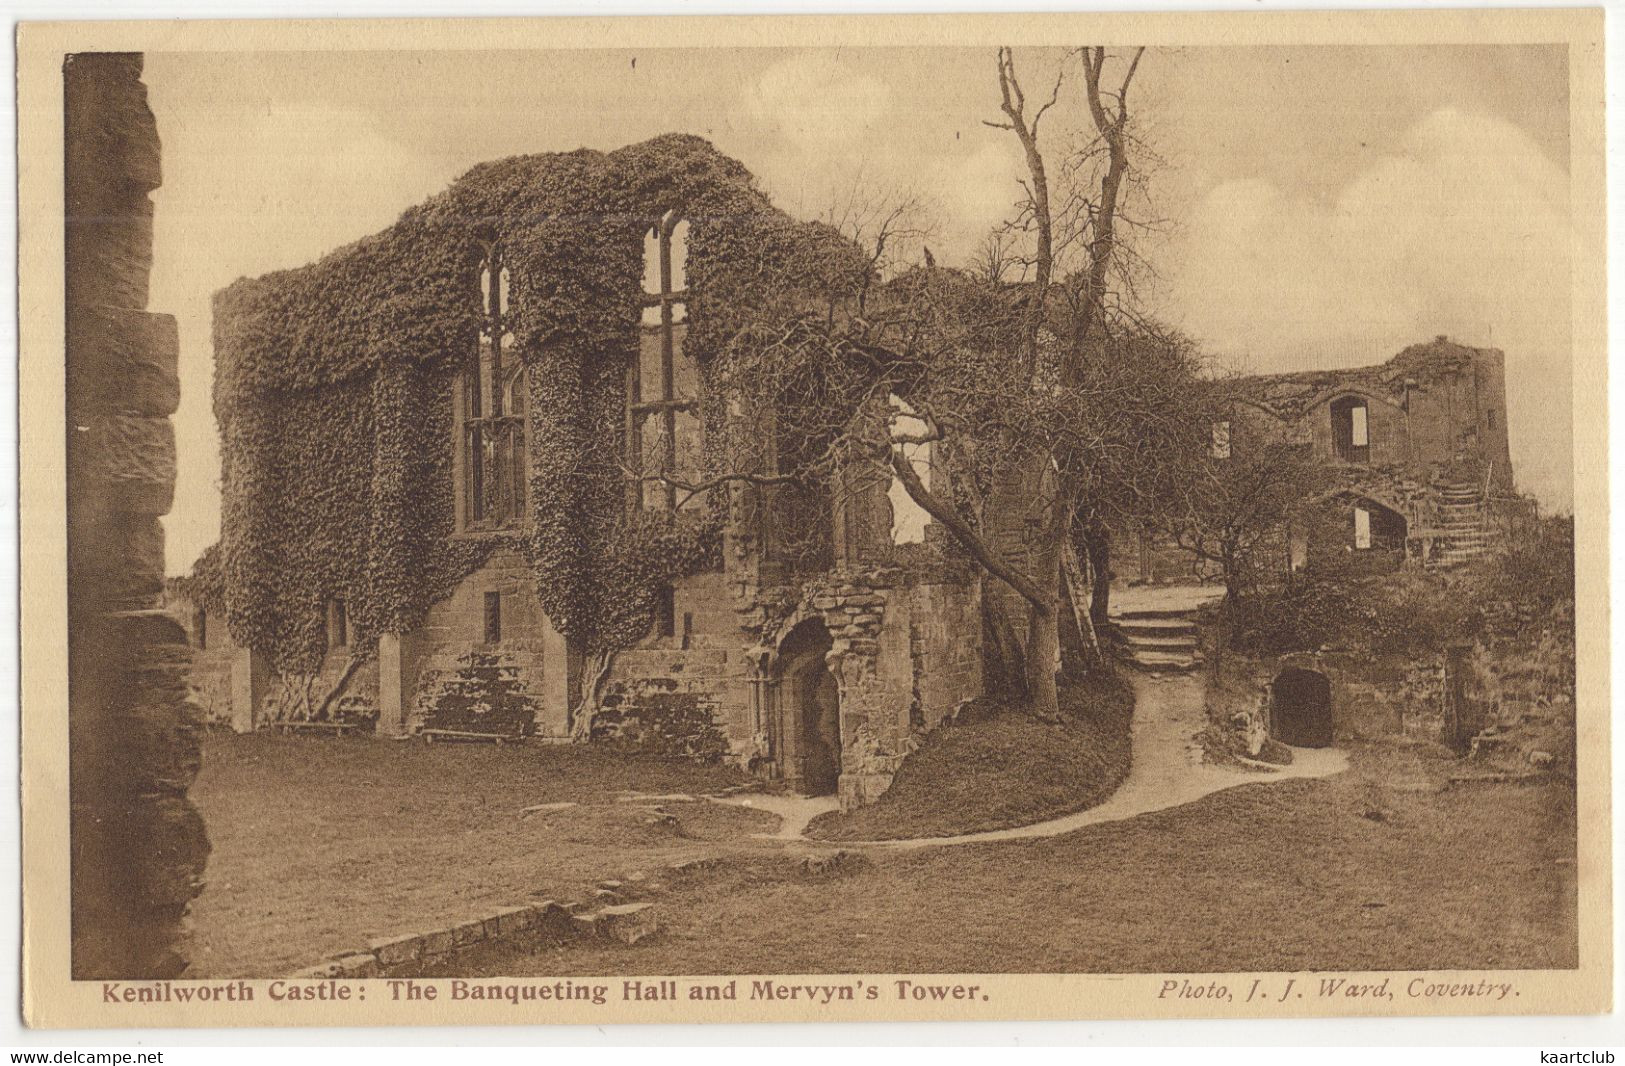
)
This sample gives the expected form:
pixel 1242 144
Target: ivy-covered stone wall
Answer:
pixel 439 654
pixel 334 392
pixel 337 394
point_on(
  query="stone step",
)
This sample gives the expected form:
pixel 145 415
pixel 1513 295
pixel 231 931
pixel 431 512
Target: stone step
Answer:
pixel 1156 627
pixel 1150 614
pixel 1154 663
pixel 1162 656
pixel 1136 643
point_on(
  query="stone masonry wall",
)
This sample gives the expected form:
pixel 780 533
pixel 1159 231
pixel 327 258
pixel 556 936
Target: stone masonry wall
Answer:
pixel 945 628
pixel 211 664
pixel 687 694
pixel 904 656
pixel 440 654
pixel 1523 688
pixel 137 845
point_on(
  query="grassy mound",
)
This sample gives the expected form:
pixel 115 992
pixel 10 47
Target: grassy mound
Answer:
pixel 996 766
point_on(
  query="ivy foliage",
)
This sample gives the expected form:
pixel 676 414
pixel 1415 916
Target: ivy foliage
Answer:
pixel 336 382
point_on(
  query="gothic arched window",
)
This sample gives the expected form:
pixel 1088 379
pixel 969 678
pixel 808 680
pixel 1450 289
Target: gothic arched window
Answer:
pixel 664 436
pixel 493 466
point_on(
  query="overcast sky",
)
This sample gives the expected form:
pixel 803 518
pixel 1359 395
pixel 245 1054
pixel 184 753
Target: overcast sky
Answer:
pixel 1328 206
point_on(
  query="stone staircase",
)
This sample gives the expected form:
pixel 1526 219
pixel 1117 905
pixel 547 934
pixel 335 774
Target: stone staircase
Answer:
pixel 1464 534
pixel 1155 628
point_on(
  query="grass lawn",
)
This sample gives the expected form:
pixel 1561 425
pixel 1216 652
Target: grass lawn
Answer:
pixel 1372 869
pixel 322 843
pixel 997 766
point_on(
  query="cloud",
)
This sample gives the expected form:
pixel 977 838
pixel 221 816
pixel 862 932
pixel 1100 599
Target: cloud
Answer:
pixel 248 190
pixel 818 101
pixel 1462 229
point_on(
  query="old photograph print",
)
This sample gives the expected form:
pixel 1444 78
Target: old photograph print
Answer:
pixel 607 526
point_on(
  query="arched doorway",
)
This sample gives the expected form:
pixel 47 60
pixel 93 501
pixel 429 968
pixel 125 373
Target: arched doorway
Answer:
pixel 1301 708
pixel 809 726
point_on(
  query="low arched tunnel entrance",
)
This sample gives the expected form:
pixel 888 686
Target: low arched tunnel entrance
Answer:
pixel 809 727
pixel 1301 708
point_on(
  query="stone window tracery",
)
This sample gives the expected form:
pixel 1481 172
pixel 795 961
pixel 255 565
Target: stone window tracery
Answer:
pixel 663 427
pixel 493 389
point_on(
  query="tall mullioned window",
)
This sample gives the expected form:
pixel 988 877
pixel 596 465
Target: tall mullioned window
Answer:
pixel 663 426
pixel 494 467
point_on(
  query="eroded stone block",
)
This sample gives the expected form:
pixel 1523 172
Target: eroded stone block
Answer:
pixel 628 923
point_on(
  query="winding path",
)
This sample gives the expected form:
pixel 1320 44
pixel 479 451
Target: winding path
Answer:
pixel 1168 771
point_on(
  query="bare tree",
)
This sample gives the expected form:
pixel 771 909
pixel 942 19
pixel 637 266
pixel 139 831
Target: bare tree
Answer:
pixel 996 257
pixel 1052 423
pixel 889 224
pixel 1237 510
pixel 1238 506
pixel 1046 401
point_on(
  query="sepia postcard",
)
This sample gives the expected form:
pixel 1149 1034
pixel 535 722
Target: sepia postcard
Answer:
pixel 814 519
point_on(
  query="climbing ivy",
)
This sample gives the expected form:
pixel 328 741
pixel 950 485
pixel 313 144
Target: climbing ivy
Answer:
pixel 335 391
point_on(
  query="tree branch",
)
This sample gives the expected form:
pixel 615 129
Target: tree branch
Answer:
pixel 945 513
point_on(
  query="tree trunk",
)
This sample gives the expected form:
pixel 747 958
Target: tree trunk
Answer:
pixel 1043 647
pixel 1221 636
pixel 1089 656
pixel 1098 544
pixel 1001 649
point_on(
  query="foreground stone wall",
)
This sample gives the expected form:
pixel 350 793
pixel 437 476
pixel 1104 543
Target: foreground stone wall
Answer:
pixel 138 846
pixel 945 627
pixel 905 654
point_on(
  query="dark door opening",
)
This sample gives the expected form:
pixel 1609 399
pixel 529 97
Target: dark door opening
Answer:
pixel 810 712
pixel 1301 708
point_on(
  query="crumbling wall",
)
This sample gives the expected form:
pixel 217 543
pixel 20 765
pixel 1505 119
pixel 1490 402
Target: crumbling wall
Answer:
pixel 945 626
pixel 1510 702
pixel 905 654
pixel 1523 696
pixel 658 715
pixel 137 844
